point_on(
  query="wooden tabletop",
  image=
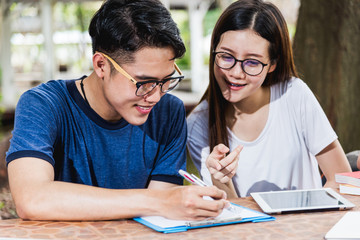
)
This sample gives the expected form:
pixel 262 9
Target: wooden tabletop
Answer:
pixel 310 225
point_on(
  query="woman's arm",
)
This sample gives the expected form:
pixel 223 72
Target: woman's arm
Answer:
pixel 332 159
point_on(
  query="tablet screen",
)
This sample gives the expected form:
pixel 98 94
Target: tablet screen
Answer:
pixel 300 200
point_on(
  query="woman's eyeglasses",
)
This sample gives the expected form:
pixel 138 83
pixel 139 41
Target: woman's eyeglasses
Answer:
pixel 250 66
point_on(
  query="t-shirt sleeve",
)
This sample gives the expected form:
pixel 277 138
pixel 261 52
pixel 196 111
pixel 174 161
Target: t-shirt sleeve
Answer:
pixel 34 131
pixel 316 128
pixel 174 132
pixel 198 141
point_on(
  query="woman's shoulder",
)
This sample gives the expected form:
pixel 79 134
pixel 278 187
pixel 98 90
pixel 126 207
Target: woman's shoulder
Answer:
pixel 200 110
pixel 199 115
pixel 294 88
pixel 297 83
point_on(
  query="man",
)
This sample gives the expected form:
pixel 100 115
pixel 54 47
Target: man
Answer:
pixel 109 145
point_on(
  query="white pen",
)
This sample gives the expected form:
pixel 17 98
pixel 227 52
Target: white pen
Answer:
pixel 193 179
pixel 201 182
pixel 190 178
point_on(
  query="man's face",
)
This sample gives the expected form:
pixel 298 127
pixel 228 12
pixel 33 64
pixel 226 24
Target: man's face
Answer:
pixel 119 91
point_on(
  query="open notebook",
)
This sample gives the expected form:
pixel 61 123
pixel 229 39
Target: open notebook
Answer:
pixel 238 215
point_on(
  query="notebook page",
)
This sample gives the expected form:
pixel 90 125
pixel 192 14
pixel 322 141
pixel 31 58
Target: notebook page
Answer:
pixel 226 214
pixel 346 228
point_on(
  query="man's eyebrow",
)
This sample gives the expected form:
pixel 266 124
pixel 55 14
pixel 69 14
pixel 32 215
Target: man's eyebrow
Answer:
pixel 145 77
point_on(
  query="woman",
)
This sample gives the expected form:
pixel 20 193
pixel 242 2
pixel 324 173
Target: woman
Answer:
pixel 256 101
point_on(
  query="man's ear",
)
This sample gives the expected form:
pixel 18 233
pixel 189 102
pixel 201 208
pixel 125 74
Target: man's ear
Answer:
pixel 99 65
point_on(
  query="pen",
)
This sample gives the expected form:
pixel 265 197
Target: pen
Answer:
pixel 193 179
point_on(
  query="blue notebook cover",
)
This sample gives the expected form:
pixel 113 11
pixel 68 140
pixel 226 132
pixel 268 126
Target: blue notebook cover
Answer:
pixel 240 215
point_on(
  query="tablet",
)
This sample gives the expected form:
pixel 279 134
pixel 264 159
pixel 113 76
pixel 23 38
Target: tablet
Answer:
pixel 301 200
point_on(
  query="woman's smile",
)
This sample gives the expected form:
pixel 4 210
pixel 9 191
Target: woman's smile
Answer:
pixel 234 86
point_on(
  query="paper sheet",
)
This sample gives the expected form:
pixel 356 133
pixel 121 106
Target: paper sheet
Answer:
pixel 226 214
pixel 346 228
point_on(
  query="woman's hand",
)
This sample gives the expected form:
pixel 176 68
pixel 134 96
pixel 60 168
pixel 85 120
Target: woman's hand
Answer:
pixel 222 167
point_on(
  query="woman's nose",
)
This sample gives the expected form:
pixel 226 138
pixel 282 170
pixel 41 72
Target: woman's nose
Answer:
pixel 237 71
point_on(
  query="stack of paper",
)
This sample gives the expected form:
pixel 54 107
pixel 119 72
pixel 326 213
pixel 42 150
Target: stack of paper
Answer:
pixel 346 228
pixel 349 182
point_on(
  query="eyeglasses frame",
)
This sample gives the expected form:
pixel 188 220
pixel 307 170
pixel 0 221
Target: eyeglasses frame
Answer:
pixel 139 84
pixel 241 63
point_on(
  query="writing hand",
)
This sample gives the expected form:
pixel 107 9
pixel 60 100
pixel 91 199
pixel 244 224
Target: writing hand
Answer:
pixel 222 167
pixel 188 203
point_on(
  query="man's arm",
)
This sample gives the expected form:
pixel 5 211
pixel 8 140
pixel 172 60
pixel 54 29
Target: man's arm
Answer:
pixel 38 197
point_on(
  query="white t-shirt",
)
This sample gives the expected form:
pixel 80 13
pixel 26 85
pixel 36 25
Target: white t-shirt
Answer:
pixel 283 155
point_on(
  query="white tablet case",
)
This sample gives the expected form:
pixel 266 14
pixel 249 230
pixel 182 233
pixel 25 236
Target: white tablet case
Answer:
pixel 279 194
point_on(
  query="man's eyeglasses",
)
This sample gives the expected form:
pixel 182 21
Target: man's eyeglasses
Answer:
pixel 146 87
pixel 251 67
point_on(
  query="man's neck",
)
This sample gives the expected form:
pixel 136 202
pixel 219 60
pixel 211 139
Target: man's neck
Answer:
pixel 92 91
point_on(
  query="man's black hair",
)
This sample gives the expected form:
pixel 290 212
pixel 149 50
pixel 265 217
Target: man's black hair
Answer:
pixel 122 27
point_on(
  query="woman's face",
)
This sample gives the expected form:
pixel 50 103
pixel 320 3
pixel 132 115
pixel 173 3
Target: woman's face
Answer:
pixel 234 83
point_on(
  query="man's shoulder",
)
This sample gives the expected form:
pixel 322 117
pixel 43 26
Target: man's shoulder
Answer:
pixel 51 87
pixel 169 109
pixel 49 95
pixel 170 103
pixel 171 99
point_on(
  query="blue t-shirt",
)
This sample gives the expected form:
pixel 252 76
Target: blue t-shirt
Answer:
pixel 54 123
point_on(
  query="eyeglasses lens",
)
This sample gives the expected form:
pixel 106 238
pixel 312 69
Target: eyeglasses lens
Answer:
pixel 166 86
pixel 249 66
pixel 145 88
pixel 224 60
pixel 252 67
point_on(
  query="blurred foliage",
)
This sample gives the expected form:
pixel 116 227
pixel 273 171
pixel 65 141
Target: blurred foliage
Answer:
pixel 70 16
pixel 210 20
pixel 0 82
pixel 74 16
pixel 181 17
pixel 209 23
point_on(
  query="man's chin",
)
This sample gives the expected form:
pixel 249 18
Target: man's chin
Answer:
pixel 137 121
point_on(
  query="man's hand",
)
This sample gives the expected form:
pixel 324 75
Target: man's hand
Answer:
pixel 222 167
pixel 187 202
